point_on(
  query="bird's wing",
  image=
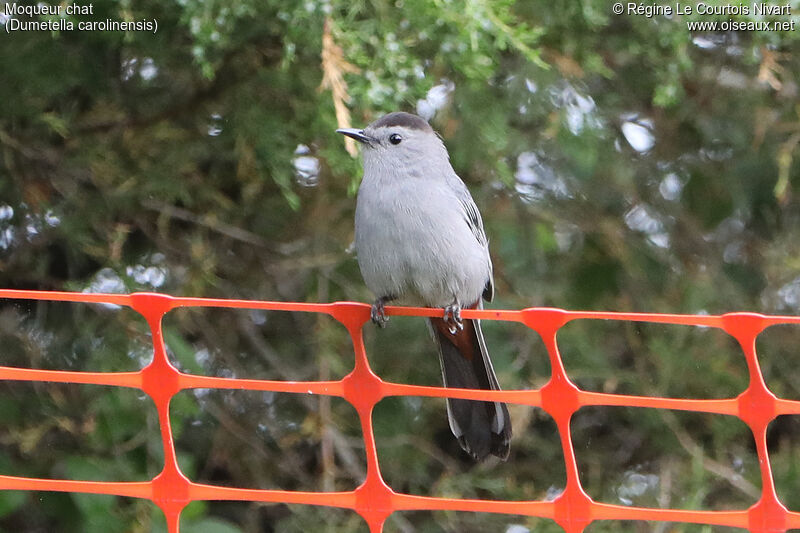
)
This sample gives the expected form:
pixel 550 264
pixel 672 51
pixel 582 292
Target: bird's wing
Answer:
pixel 475 224
pixel 473 218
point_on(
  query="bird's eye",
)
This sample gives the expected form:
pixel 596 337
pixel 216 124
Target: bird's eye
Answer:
pixel 395 138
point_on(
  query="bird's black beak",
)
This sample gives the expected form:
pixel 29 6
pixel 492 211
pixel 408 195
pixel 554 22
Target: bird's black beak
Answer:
pixel 356 134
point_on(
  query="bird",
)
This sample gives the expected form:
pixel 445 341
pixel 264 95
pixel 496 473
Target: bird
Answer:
pixel 420 240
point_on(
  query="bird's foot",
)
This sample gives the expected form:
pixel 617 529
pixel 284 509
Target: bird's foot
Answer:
pixel 452 317
pixel 378 312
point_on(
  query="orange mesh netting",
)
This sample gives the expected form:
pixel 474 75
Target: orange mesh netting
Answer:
pixel 573 509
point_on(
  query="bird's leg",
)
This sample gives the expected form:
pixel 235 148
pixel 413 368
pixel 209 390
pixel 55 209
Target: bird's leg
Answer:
pixel 378 313
pixel 452 317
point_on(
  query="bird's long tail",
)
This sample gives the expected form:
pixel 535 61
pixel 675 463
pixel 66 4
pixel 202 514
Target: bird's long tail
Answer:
pixel 482 428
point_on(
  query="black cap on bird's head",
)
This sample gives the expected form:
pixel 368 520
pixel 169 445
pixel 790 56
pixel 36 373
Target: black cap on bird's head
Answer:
pixel 404 120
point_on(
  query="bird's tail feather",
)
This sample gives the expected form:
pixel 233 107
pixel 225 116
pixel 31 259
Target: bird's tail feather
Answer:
pixel 482 428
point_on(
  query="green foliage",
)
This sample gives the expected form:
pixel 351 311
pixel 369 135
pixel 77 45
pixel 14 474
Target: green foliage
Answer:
pixel 620 163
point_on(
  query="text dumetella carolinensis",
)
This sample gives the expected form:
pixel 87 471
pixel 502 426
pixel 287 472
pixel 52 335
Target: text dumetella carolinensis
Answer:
pixel 420 239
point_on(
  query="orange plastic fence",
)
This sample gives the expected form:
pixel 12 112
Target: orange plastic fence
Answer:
pixel 374 500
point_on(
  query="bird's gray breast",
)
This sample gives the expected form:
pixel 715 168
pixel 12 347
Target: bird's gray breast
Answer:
pixel 414 243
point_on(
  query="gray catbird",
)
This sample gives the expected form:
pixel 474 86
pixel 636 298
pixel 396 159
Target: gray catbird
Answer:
pixel 420 239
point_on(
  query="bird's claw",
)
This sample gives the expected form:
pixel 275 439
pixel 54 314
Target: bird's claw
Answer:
pixel 378 313
pixel 452 317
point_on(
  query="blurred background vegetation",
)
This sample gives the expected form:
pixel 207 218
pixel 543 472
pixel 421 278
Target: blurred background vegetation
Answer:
pixel 620 162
